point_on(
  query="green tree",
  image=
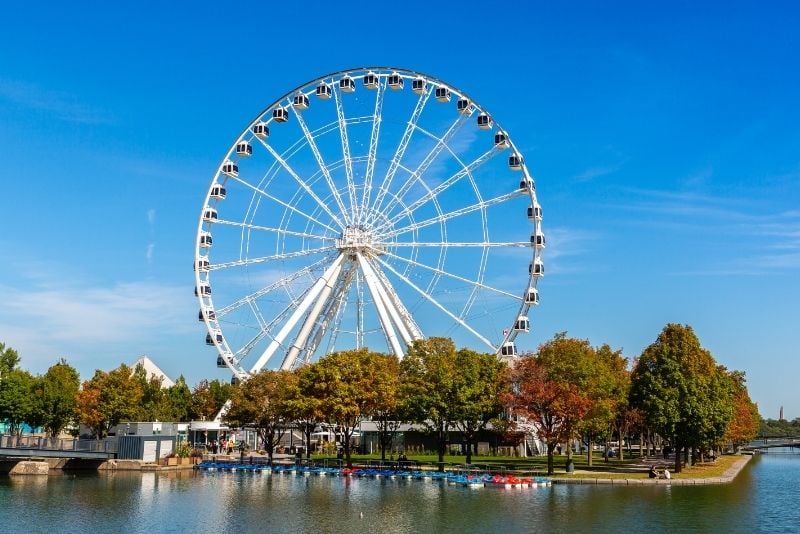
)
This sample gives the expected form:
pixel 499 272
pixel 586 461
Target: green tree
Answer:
pixel 554 406
pixel 305 408
pixel 680 390
pixel 263 403
pixel 203 406
pixel 16 398
pixel 9 360
pixel 480 387
pixel 387 413
pixel 60 386
pixel 430 379
pixel 109 398
pixel 343 382
pixel 152 406
pixel 179 397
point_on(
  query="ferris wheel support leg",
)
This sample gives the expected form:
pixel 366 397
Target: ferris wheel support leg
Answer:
pixel 408 329
pixel 311 319
pixel 301 309
pixel 383 315
pixel 389 304
pixel 222 411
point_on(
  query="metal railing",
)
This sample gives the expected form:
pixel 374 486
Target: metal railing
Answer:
pixel 44 443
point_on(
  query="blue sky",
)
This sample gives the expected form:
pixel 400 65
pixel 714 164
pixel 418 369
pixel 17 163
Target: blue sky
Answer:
pixel 663 138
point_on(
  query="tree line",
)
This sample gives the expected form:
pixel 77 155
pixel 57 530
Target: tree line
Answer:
pixel 57 401
pixel 567 390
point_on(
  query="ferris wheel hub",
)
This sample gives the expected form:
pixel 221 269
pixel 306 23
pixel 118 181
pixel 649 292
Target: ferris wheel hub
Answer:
pixel 357 238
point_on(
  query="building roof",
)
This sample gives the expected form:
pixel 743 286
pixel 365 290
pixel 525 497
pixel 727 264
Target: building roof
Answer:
pixel 153 370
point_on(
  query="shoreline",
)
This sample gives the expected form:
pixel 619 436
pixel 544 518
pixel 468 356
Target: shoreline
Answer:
pixel 726 478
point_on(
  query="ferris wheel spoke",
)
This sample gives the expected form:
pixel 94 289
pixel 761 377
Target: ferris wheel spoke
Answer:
pixel 441 272
pixel 451 244
pixel 436 303
pixel 436 191
pixel 288 168
pixel 274 257
pixel 377 118
pixel 282 282
pixel 273 230
pixel 312 144
pixel 450 215
pixel 286 205
pixel 441 143
pixel 401 149
pixel 348 162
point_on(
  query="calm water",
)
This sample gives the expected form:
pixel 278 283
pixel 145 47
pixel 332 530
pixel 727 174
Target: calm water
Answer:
pixel 765 498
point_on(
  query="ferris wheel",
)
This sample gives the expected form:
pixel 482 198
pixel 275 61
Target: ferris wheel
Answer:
pixel 368 207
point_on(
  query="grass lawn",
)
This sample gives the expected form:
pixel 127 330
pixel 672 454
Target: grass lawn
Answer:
pixel 630 467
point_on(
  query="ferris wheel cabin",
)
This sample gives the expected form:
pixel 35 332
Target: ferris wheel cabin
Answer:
pixel 244 149
pixel 324 91
pixel 300 101
pixel 261 130
pixel 536 268
pixel 443 94
pixel 215 339
pixel 526 183
pixel 522 324
pixel 347 85
pixel 508 349
pixel 206 314
pixel 230 168
pixel 535 212
pixel 500 140
pixel 532 296
pixel 201 264
pixel 463 106
pixel 203 290
pixel 205 239
pixel 221 362
pixel 484 122
pixel 209 214
pixel 537 239
pixel 280 115
pixel 370 80
pixel 418 85
pixel 218 192
pixel 395 81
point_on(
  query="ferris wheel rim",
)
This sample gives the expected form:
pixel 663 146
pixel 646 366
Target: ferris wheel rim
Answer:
pixel 284 101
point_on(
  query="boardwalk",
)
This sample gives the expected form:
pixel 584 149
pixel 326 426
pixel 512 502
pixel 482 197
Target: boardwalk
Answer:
pixel 25 447
pixel 769 443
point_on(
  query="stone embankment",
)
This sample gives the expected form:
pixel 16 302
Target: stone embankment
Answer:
pixel 725 478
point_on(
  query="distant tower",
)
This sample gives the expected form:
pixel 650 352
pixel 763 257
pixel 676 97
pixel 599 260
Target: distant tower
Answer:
pixel 780 417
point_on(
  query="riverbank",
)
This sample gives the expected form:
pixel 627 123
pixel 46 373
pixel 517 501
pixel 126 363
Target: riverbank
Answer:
pixel 729 471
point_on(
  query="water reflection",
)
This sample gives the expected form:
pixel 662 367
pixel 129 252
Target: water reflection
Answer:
pixel 764 497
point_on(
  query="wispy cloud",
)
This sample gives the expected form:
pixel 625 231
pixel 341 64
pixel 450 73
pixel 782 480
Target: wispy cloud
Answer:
pixel 597 171
pixel 47 321
pixel 773 238
pixel 151 246
pixel 57 104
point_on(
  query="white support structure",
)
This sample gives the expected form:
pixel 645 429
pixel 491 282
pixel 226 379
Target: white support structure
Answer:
pixel 436 303
pixel 311 318
pixel 377 118
pixel 348 162
pixel 321 162
pixel 387 303
pixel 383 314
pixel 393 300
pixel 301 309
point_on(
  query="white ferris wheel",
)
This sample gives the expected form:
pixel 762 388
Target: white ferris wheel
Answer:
pixel 368 207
